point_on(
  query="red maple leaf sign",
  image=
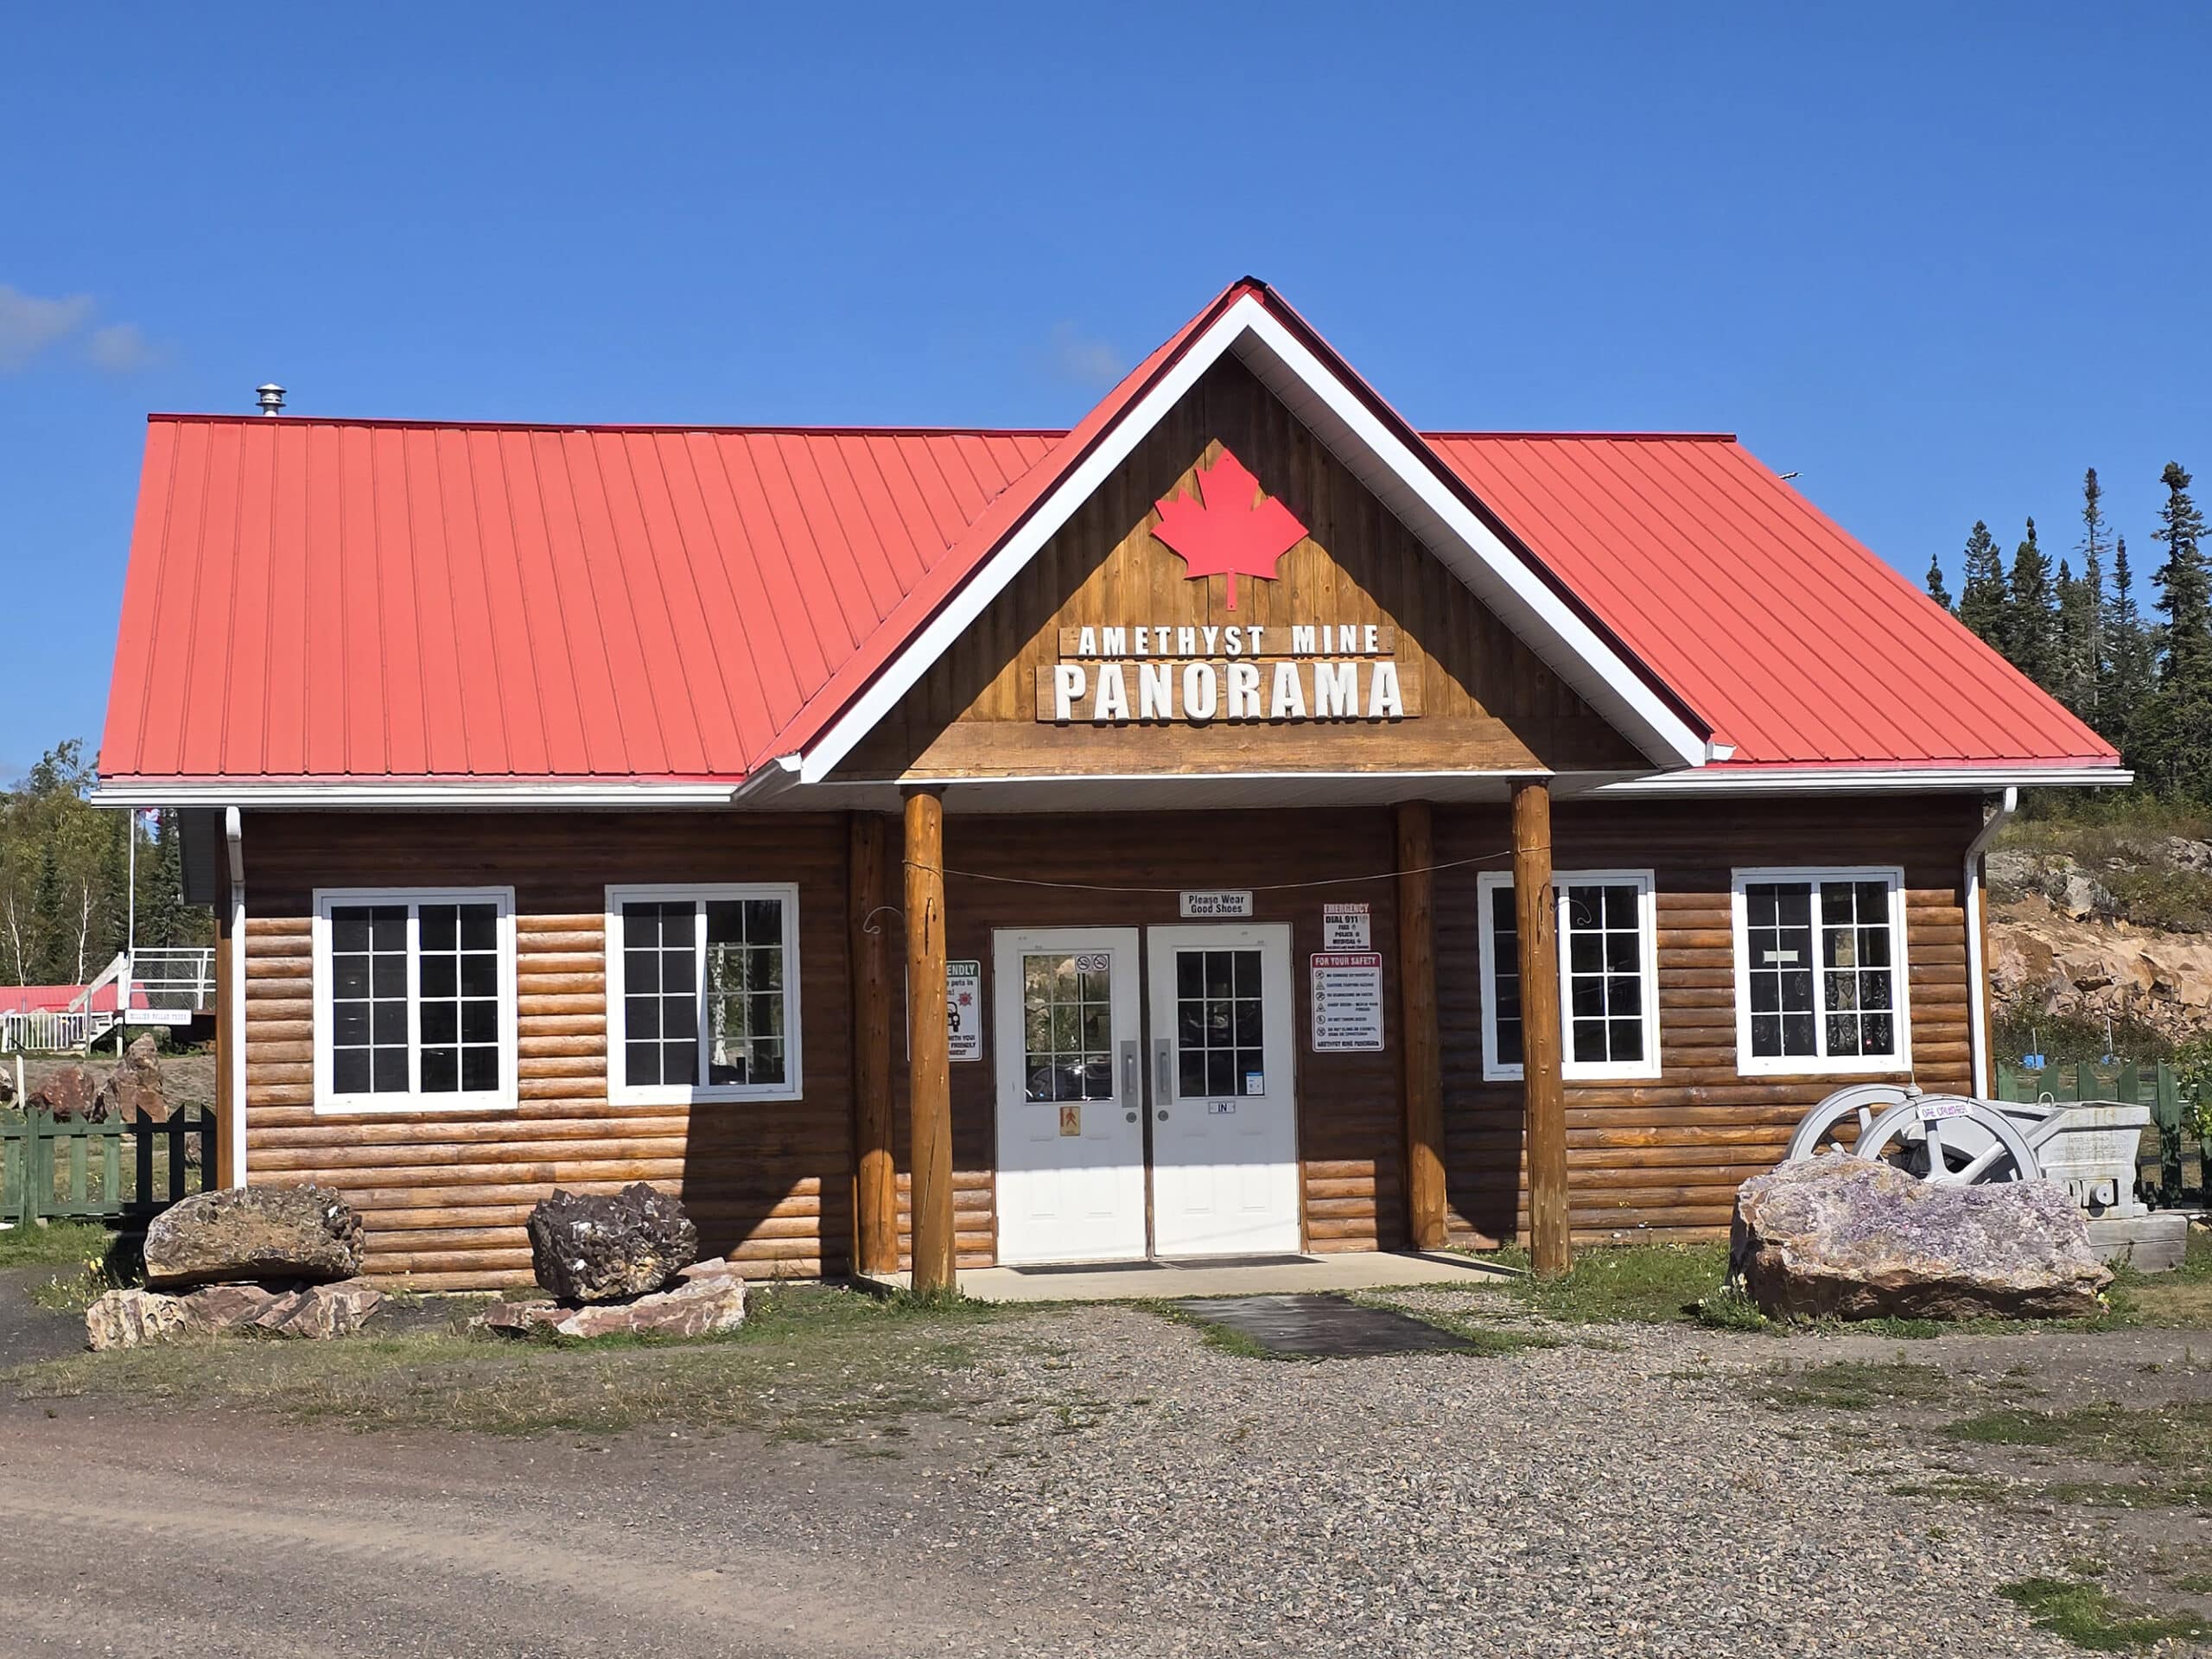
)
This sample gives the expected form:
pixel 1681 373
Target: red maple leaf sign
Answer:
pixel 1231 528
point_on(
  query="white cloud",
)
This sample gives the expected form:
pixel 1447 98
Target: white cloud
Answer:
pixel 1083 359
pixel 28 324
pixel 120 347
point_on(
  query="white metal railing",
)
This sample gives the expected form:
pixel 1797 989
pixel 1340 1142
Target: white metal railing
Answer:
pixel 53 1031
pixel 179 978
pixel 168 985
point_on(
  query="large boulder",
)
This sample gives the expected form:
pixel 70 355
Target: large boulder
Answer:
pixel 68 1092
pixel 283 1234
pixel 1851 1238
pixel 589 1248
pixel 133 1090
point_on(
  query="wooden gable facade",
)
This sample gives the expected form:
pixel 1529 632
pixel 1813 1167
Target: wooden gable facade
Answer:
pixel 1482 700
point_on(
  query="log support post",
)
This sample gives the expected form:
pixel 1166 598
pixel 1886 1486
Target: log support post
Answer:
pixel 1543 1095
pixel 929 1084
pixel 869 915
pixel 1423 1079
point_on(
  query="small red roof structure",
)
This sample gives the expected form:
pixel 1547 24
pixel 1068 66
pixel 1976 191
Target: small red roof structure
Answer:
pixel 365 602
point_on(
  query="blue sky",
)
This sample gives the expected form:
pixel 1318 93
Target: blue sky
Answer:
pixel 1936 259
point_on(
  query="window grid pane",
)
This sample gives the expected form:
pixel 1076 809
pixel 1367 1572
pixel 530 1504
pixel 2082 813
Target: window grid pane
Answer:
pixel 460 998
pixel 745 1037
pixel 1604 988
pixel 1779 975
pixel 1856 979
pixel 1220 1020
pixel 660 1001
pixel 1505 975
pixel 368 999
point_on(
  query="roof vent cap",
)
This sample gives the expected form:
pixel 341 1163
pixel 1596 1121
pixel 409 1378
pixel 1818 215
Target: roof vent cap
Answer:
pixel 271 398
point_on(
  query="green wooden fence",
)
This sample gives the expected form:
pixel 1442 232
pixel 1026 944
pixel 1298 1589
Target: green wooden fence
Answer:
pixel 2180 1175
pixel 113 1171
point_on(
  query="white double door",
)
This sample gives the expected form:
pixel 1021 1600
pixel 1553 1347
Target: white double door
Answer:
pixel 1146 1101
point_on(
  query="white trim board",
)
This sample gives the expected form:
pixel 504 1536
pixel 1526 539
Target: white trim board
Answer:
pixel 1857 780
pixel 318 792
pixel 1380 459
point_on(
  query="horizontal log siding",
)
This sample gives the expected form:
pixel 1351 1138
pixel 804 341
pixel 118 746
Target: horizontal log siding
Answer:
pixel 444 1195
pixel 1665 1157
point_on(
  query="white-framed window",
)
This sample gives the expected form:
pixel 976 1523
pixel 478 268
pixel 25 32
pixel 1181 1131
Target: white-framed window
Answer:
pixel 413 998
pixel 703 993
pixel 1821 972
pixel 1608 975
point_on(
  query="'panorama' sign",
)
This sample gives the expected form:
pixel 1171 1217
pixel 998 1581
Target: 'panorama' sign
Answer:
pixel 1195 675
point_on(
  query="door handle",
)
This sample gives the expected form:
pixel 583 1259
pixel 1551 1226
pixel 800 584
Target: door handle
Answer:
pixel 1163 1075
pixel 1132 1080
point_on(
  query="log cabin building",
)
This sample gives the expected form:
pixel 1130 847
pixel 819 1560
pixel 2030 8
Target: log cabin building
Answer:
pixel 1240 824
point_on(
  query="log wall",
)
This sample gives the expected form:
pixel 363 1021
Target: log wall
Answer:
pixel 1665 1157
pixel 445 1194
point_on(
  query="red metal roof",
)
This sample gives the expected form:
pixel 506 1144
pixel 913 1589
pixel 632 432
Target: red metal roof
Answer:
pixel 375 599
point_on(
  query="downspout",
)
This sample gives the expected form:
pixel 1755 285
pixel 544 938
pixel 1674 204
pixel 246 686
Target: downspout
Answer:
pixel 234 836
pixel 1977 971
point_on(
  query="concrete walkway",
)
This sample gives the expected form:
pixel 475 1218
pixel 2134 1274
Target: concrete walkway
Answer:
pixel 1274 1276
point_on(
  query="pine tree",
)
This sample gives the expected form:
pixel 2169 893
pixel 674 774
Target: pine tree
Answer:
pixel 1936 591
pixel 2093 663
pixel 2074 683
pixel 2171 739
pixel 2029 635
pixel 1981 585
pixel 2130 665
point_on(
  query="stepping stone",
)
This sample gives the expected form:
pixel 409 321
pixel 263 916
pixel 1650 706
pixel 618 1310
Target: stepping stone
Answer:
pixel 1325 1327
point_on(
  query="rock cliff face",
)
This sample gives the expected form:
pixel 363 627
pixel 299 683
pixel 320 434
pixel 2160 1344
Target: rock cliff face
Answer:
pixel 2045 962
pixel 2063 943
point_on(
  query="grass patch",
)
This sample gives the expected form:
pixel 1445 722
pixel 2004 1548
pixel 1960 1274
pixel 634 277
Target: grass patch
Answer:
pixel 1853 1385
pixel 2089 1616
pixel 2180 1299
pixel 55 1244
pixel 1646 1283
pixel 2172 1442
pixel 809 1363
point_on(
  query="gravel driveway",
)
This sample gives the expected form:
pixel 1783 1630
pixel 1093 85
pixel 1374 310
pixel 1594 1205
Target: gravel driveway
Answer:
pixel 1111 1485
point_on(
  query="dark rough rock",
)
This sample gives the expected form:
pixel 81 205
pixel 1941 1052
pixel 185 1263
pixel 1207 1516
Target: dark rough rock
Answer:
pixel 708 1296
pixel 588 1247
pixel 69 1091
pixel 133 1091
pixel 1850 1238
pixel 275 1234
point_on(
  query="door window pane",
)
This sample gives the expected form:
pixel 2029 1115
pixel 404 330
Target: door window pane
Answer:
pixel 1067 1023
pixel 1220 1024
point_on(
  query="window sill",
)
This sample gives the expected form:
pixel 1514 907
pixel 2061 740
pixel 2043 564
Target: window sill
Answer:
pixel 1805 1066
pixel 411 1105
pixel 625 1096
